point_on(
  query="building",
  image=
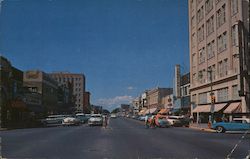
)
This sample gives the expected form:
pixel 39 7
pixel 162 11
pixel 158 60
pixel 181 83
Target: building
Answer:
pixel 181 98
pixel 86 102
pixel 43 84
pixel 136 105
pixel 155 96
pixel 218 32
pixel 78 82
pixel 19 105
pixel 11 81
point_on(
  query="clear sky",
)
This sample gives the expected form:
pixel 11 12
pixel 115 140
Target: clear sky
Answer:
pixel 122 46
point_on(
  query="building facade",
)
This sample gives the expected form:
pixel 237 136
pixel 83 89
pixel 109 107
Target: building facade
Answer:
pixel 78 82
pixel 218 31
pixel 43 84
pixel 155 96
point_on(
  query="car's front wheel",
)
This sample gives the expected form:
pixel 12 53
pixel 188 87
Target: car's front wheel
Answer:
pixel 220 129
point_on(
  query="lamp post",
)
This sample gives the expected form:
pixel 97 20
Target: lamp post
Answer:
pixel 211 95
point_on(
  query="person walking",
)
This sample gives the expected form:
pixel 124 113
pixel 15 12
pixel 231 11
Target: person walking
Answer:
pixel 152 123
pixel 105 121
pixel 146 121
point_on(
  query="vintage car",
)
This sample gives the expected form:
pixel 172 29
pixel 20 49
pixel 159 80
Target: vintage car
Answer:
pixel 53 120
pixel 237 124
pixel 71 121
pixel 95 119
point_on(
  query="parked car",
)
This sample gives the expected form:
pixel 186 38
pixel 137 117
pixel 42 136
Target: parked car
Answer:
pixel 95 119
pixel 236 124
pixel 71 121
pixel 53 120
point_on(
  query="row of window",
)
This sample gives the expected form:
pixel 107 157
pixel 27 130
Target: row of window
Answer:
pixel 220 15
pixel 67 79
pixel 222 95
pixel 210 73
pixel 221 46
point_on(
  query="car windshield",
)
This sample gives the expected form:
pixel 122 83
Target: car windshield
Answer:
pixel 124 79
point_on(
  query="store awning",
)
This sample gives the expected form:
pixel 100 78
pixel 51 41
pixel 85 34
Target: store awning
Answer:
pixel 202 108
pixel 142 111
pixel 233 108
pixel 150 111
pixel 163 111
pixel 207 108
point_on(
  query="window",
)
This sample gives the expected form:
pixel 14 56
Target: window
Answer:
pixel 194 98
pixel 194 60
pixel 194 77
pixel 209 6
pixel 198 1
pixel 222 42
pixel 210 50
pixel 235 94
pixel 210 25
pixel 234 35
pixel 202 98
pixel 200 14
pixel 193 40
pixel 201 76
pixel 221 16
pixel 193 22
pixel 234 6
pixel 235 64
pixel 200 33
pixel 202 55
pixel 223 68
pixel 223 95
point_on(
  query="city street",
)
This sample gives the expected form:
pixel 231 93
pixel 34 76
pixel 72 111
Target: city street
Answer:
pixel 124 138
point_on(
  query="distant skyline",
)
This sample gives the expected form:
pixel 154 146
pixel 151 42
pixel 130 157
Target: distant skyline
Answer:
pixel 123 47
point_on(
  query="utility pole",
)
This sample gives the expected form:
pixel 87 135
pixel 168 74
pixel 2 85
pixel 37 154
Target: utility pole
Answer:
pixel 211 95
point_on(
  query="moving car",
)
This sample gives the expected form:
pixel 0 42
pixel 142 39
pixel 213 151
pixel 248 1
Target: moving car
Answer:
pixel 174 120
pixel 113 116
pixel 162 122
pixel 95 119
pixel 83 117
pixel 71 121
pixel 53 120
pixel 236 124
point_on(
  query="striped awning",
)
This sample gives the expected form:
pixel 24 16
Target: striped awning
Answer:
pixel 233 108
pixel 163 111
pixel 207 108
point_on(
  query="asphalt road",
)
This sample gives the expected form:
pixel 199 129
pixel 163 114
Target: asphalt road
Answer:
pixel 123 139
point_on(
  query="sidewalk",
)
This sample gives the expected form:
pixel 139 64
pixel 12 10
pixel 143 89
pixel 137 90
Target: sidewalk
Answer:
pixel 202 126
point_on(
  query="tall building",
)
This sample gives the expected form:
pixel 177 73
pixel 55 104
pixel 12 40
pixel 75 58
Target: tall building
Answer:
pixel 218 32
pixel 78 82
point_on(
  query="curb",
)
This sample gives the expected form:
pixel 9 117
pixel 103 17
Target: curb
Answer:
pixel 202 129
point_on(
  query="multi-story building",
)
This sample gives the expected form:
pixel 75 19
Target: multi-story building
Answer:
pixel 155 96
pixel 43 84
pixel 86 102
pixel 78 82
pixel 218 32
pixel 136 105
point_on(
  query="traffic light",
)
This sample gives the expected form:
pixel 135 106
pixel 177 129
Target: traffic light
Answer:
pixel 212 99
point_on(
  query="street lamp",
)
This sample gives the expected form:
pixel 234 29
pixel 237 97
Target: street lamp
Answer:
pixel 211 95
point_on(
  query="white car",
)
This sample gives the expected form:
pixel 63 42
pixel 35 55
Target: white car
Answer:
pixel 71 121
pixel 174 120
pixel 95 119
pixel 53 120
pixel 113 116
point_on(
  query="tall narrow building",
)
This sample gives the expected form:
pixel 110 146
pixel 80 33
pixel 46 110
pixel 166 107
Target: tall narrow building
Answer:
pixel 78 82
pixel 218 32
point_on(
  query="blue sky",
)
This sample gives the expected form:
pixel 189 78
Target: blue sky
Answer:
pixel 122 46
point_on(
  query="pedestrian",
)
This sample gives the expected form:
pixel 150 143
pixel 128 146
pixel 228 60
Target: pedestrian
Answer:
pixel 146 121
pixel 152 123
pixel 105 121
